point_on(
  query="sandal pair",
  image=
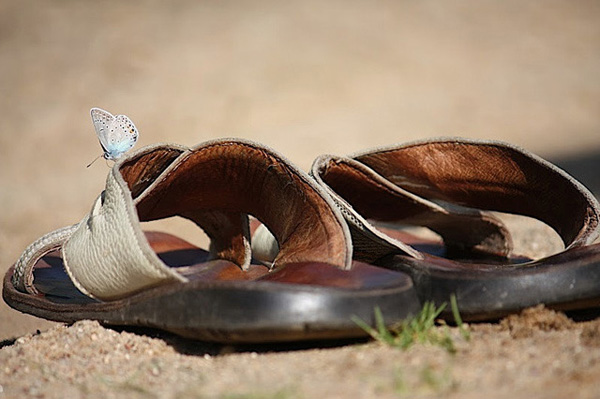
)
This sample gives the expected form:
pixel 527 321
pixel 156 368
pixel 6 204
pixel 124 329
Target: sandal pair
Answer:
pixel 329 254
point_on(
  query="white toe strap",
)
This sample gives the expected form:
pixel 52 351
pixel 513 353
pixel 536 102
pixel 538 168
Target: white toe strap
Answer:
pixel 22 277
pixel 107 256
pixel 264 245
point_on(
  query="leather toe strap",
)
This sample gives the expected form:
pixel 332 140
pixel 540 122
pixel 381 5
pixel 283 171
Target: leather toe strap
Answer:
pixel 446 185
pixel 216 185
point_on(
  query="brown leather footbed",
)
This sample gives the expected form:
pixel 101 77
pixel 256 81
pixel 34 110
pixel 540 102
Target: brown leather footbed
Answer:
pixel 221 302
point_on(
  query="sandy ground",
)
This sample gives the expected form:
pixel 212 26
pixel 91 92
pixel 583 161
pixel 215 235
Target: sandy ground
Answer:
pixel 305 78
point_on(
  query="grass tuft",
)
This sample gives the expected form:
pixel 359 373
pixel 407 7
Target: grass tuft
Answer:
pixel 457 319
pixel 420 328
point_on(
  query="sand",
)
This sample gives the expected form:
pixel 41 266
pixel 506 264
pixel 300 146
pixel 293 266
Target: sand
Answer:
pixel 305 78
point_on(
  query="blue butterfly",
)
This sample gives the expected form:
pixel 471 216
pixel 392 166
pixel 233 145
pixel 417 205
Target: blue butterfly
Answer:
pixel 117 134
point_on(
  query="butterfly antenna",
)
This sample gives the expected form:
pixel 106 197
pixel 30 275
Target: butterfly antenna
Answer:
pixel 95 159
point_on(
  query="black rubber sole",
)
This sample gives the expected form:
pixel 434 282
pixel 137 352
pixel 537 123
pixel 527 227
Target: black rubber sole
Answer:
pixel 235 311
pixel 566 281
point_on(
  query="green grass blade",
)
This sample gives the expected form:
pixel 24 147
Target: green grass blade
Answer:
pixel 454 305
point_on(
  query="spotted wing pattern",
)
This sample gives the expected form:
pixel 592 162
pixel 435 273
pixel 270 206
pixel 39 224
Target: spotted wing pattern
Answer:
pixel 117 134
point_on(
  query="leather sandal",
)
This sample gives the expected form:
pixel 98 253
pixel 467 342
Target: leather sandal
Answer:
pixel 447 185
pixel 106 268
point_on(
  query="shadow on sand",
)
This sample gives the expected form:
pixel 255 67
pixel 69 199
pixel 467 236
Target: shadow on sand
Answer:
pixel 584 167
pixel 198 348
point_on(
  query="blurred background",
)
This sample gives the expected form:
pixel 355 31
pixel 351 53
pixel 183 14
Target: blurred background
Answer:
pixel 304 77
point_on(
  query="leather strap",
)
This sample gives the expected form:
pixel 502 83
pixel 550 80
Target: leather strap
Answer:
pixel 22 277
pixel 443 184
pixel 216 184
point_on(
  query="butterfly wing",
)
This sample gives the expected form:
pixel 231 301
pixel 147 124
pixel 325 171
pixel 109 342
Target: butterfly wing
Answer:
pixel 122 136
pixel 117 134
pixel 102 120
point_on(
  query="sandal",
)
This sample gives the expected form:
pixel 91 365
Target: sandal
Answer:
pixel 106 268
pixel 444 185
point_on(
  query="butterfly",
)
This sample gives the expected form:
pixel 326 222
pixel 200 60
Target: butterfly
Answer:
pixel 117 134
